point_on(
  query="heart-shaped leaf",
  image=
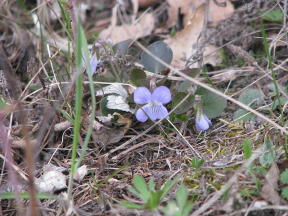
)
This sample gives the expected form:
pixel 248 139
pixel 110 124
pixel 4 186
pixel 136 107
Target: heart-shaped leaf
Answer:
pixel 162 51
pixel 185 106
pixel 251 96
pixel 213 105
pixel 138 77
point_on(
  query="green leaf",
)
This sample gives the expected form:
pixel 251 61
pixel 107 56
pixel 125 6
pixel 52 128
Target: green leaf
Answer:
pixel 284 177
pixel 284 193
pixel 197 162
pixel 141 186
pixel 25 195
pixel 278 102
pixel 185 106
pixel 131 205
pixel 242 115
pixel 184 86
pixel 167 186
pixel 213 105
pixel 154 200
pixel 275 15
pixel 251 96
pixel 171 209
pixel 247 148
pixel 247 193
pixel 2 103
pixel 151 185
pixel 187 209
pixel 136 193
pixel 181 196
pixel 122 47
pixel 138 77
pixel 269 156
pixel 182 117
pixel 162 51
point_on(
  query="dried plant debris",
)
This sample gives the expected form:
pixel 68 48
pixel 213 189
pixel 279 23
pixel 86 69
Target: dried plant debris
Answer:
pixel 201 132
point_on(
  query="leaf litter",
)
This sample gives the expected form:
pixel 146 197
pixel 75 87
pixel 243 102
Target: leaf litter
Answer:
pixel 118 140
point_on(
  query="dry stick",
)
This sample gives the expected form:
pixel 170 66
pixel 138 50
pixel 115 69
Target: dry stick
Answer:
pixel 29 150
pixel 203 85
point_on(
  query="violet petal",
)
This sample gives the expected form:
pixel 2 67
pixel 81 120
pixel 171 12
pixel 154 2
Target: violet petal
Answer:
pixel 155 111
pixel 202 122
pixel 142 95
pixel 161 94
pixel 94 63
pixel 141 116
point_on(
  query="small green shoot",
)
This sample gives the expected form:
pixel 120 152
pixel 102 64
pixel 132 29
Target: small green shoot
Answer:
pixel 284 180
pixel 181 207
pixel 275 15
pixel 197 162
pixel 269 155
pixel 150 197
pixel 247 148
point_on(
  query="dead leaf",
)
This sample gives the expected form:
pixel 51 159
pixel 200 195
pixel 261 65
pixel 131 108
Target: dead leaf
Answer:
pixel 184 43
pixel 80 173
pixel 114 88
pixel 129 31
pixel 220 11
pixel 104 134
pixel 269 190
pixel 186 7
pixel 217 11
pixel 146 3
pixel 51 182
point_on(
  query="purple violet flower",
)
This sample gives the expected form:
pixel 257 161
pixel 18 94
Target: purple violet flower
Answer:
pixel 201 121
pixel 153 107
pixel 94 63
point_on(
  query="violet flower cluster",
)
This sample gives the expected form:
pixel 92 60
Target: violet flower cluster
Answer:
pixel 154 108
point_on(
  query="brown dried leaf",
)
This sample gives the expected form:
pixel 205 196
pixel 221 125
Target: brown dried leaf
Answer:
pixel 129 31
pixel 108 135
pixel 269 190
pixel 218 11
pixel 184 43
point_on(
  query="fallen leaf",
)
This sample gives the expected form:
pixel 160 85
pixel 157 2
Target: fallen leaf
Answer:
pixel 113 89
pixel 104 134
pixel 186 7
pixel 51 182
pixel 80 173
pixel 270 187
pixel 218 11
pixel 129 31
pixel 184 43
pixel 115 102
